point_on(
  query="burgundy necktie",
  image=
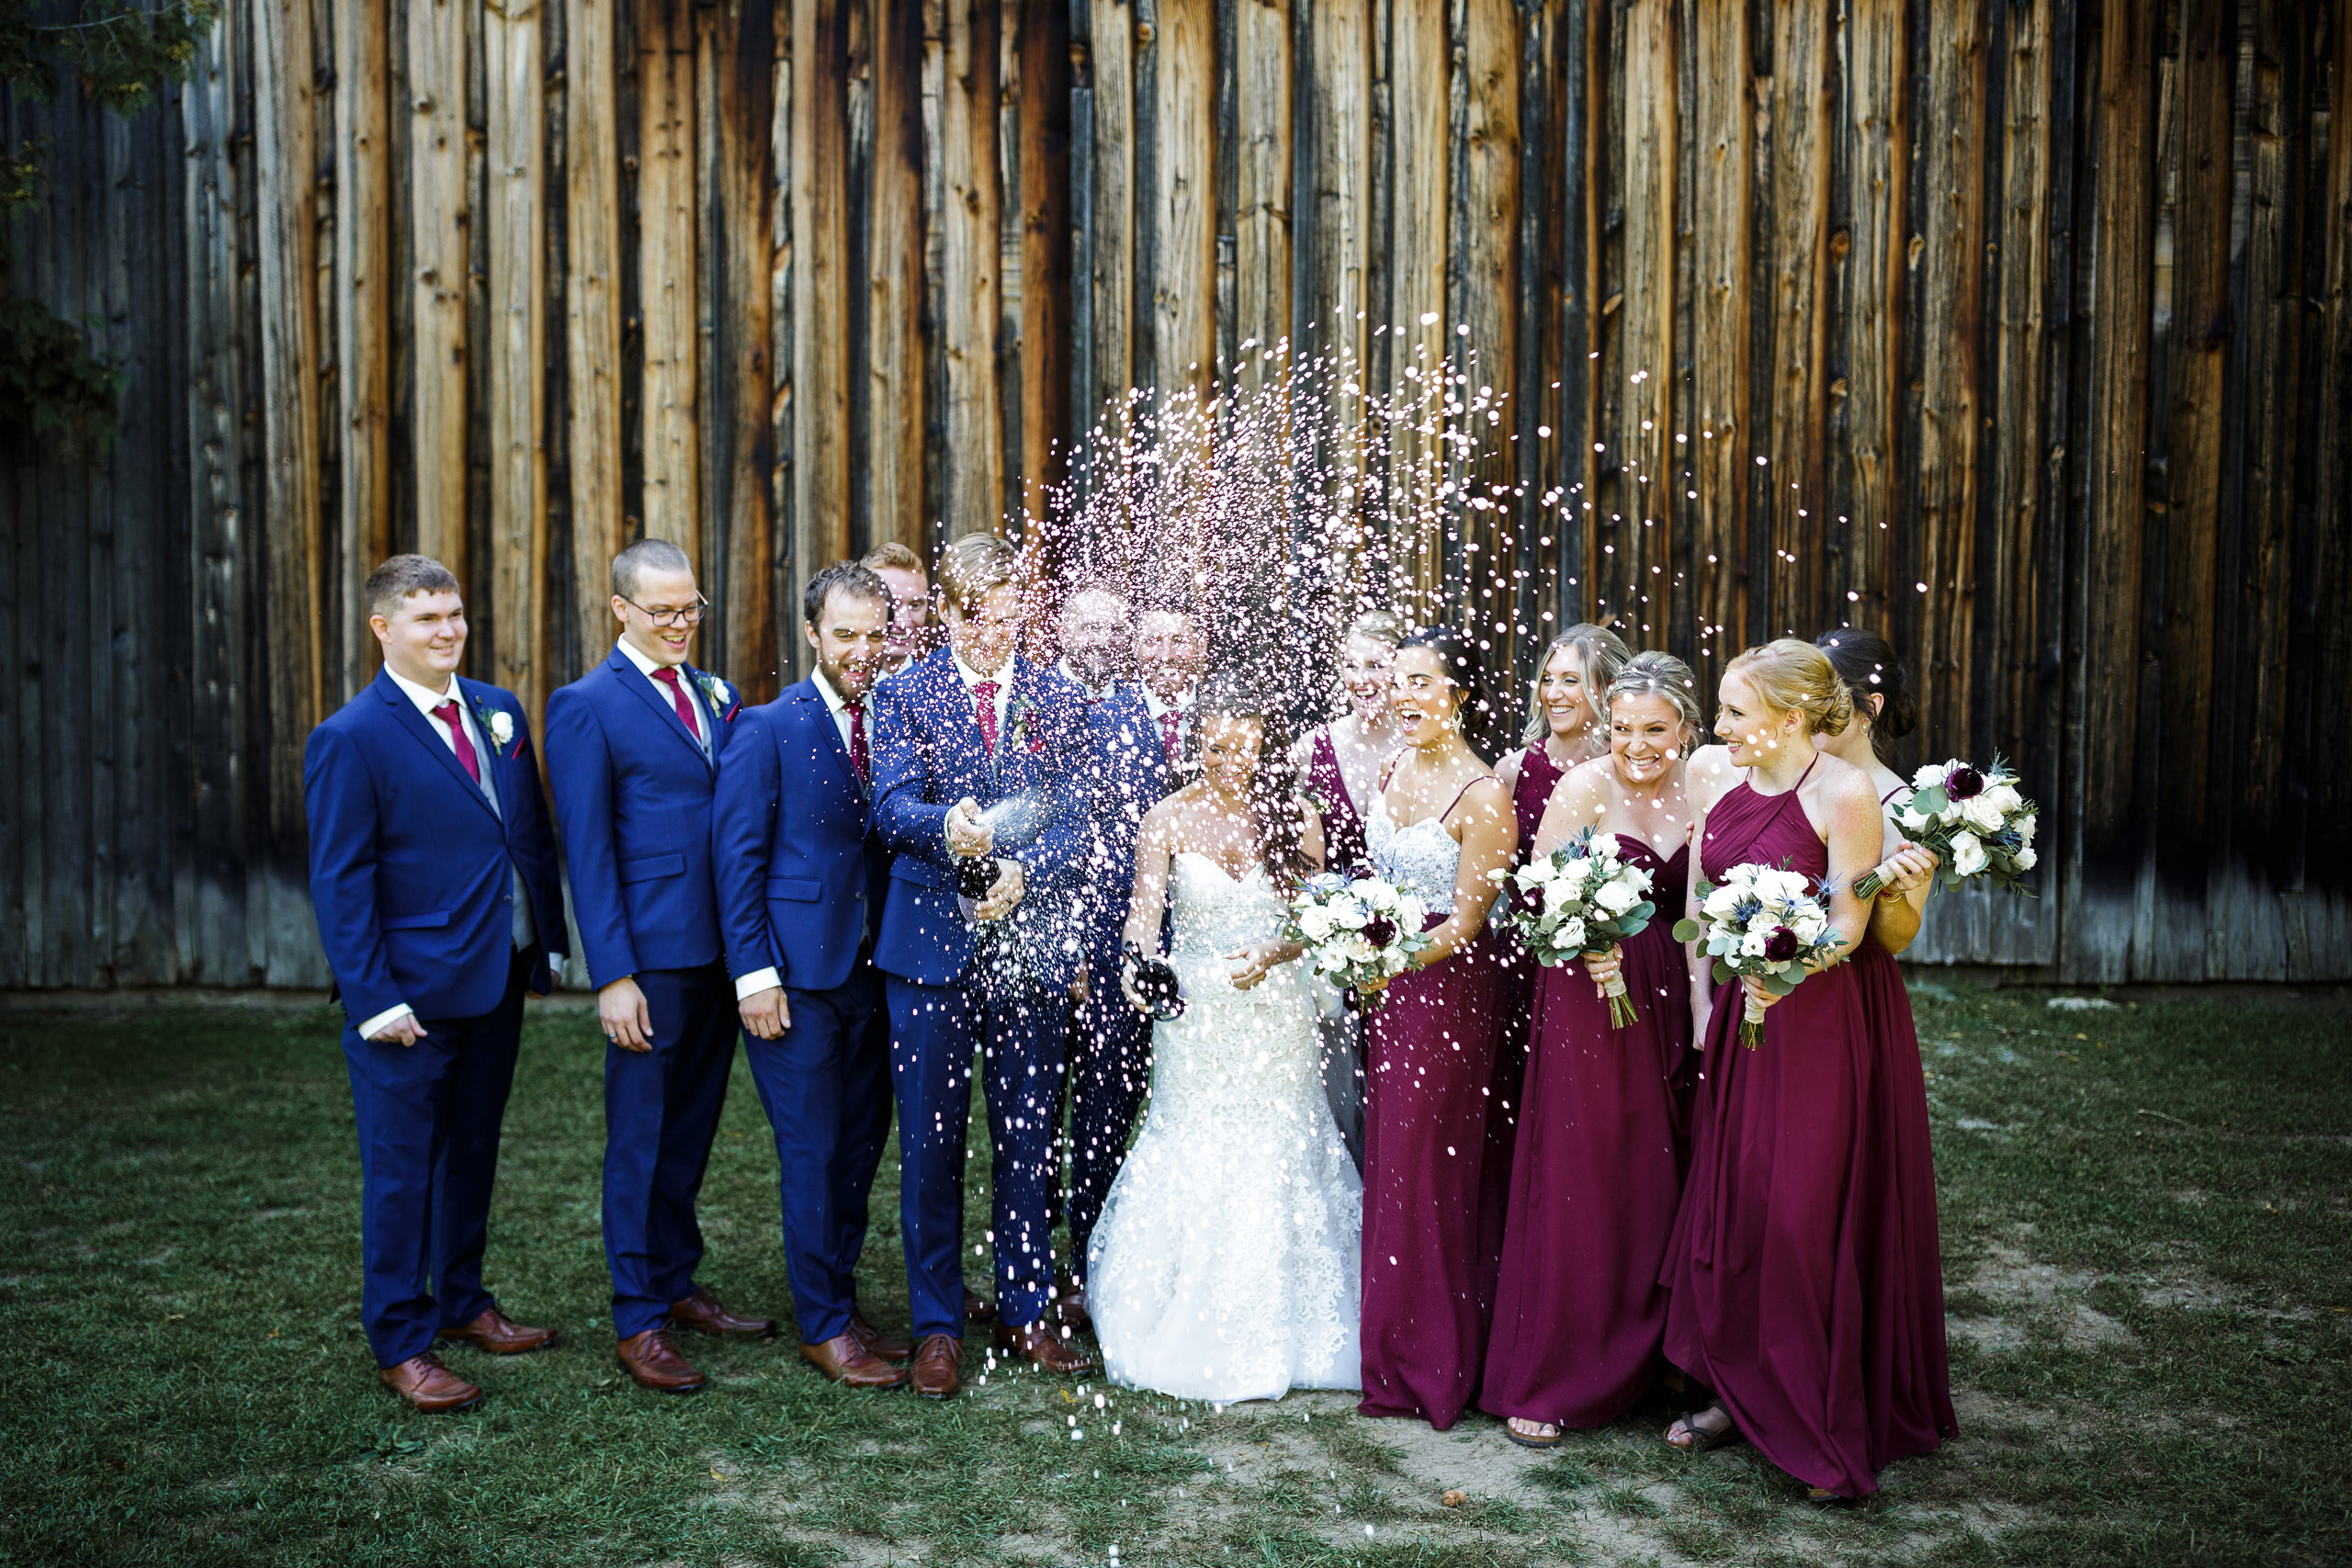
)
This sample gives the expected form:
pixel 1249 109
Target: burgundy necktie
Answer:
pixel 448 714
pixel 668 676
pixel 984 709
pixel 1168 723
pixel 857 754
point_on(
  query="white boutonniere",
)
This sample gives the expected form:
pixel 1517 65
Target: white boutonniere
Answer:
pixel 721 696
pixel 498 725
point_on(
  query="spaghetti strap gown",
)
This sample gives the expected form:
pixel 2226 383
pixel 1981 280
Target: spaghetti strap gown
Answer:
pixel 1906 1376
pixel 1515 1003
pixel 1342 1059
pixel 1580 1314
pixel 1342 823
pixel 1430 1044
pixel 1767 1267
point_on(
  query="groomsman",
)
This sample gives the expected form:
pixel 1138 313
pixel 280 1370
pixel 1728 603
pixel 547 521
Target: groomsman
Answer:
pixel 800 890
pixel 433 876
pixel 901 570
pixel 1170 655
pixel 1109 1042
pixel 960 731
pixel 633 751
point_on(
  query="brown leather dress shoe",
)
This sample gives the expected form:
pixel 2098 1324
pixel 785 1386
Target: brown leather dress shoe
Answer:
pixel 1070 1304
pixel 938 1371
pixel 886 1346
pixel 978 1308
pixel 429 1387
pixel 500 1336
pixel 702 1313
pixel 655 1363
pixel 850 1364
pixel 1041 1342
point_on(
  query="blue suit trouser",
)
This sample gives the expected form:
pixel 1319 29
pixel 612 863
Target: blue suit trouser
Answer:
pixel 428 1118
pixel 1109 1068
pixel 1019 1032
pixel 660 1114
pixel 826 1086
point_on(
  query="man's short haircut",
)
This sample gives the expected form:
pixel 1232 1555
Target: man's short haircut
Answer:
pixel 847 577
pixel 398 578
pixel 1103 586
pixel 895 556
pixel 973 565
pixel 630 566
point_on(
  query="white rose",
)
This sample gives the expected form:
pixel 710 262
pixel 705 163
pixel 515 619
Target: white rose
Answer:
pixel 1809 927
pixel 1982 813
pixel 1616 898
pixel 1316 921
pixel 1752 945
pixel 2005 798
pixel 2025 858
pixel 1569 937
pixel 1913 819
pixel 501 727
pixel 1931 775
pixel 1411 913
pixel 2025 826
pixel 1967 853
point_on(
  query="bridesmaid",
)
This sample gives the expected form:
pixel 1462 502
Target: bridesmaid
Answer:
pixel 1906 1379
pixel 1564 728
pixel 1579 1315
pixel 1341 761
pixel 1431 1041
pixel 1766 1261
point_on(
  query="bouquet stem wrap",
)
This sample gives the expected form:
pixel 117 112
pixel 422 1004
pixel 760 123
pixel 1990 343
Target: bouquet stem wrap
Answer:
pixel 1751 1025
pixel 1620 1005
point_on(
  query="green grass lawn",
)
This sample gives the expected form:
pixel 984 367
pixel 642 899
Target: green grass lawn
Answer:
pixel 2148 1228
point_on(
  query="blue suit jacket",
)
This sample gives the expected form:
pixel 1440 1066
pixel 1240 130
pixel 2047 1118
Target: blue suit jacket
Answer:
pixel 633 792
pixel 1128 775
pixel 410 866
pixel 927 756
pixel 797 870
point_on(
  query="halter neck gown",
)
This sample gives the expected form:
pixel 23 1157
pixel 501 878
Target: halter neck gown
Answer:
pixel 1343 848
pixel 1767 1267
pixel 1429 1047
pixel 1579 1313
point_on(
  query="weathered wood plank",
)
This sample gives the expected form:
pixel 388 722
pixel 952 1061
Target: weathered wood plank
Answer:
pixel 1646 438
pixel 967 152
pixel 2331 838
pixel 1338 89
pixel 735 78
pixel 1418 340
pixel 592 309
pixel 518 346
pixel 671 502
pixel 1045 251
pixel 1183 298
pixel 1261 200
pixel 437 236
pixel 1110 43
pixel 893 370
pixel 1801 101
pixel 363 354
pixel 1722 125
pixel 1868 267
pixel 820 371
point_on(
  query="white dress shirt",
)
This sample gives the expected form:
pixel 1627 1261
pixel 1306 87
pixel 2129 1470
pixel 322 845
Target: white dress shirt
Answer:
pixel 760 980
pixel 1181 708
pixel 686 683
pixel 1003 679
pixel 1078 680
pixel 426 699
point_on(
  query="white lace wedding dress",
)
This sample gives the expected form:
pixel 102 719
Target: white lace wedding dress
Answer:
pixel 1227 1264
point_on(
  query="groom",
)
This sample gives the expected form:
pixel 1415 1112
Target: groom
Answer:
pixel 433 876
pixel 958 731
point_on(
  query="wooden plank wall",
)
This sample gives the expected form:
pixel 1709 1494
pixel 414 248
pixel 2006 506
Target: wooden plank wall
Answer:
pixel 2018 329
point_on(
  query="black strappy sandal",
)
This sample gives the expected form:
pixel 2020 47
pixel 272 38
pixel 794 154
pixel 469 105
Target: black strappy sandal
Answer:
pixel 1702 1440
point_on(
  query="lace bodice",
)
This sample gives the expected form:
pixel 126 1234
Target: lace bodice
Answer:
pixel 1215 914
pixel 1423 858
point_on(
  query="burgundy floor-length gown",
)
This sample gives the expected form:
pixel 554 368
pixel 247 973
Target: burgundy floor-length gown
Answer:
pixel 1770 1261
pixel 1906 1378
pixel 1430 1042
pixel 1342 823
pixel 1580 1314
pixel 1515 1004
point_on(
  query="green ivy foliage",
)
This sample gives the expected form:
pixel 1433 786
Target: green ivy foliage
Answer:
pixel 56 389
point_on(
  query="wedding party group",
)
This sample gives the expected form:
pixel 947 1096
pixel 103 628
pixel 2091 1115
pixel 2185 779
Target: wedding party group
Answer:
pixel 1332 1056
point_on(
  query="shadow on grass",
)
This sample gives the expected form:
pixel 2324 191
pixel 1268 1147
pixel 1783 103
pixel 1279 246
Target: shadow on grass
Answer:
pixel 2146 1219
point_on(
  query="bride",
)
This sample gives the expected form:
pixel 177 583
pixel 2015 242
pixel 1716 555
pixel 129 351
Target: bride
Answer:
pixel 1226 1264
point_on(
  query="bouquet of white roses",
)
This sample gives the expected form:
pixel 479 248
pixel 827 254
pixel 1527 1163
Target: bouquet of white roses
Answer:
pixel 1763 922
pixel 1582 897
pixel 1972 818
pixel 1357 931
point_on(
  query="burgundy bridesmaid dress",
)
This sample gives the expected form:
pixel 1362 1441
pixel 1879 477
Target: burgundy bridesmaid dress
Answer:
pixel 1580 1314
pixel 1515 1003
pixel 1768 1266
pixel 1906 1374
pixel 1342 823
pixel 1430 1046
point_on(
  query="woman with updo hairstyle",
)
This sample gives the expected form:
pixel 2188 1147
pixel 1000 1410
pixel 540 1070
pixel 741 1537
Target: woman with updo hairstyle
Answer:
pixel 1439 825
pixel 1910 1391
pixel 1341 760
pixel 1578 1313
pixel 1766 1266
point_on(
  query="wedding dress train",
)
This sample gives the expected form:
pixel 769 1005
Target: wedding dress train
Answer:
pixel 1226 1263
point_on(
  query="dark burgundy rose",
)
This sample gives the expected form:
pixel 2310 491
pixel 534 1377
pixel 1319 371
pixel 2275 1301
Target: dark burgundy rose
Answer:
pixel 1379 931
pixel 1965 783
pixel 1528 899
pixel 1781 945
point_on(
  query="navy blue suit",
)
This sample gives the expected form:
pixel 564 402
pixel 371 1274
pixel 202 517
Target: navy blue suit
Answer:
pixel 413 871
pixel 946 1001
pixel 1110 1049
pixel 633 792
pixel 800 884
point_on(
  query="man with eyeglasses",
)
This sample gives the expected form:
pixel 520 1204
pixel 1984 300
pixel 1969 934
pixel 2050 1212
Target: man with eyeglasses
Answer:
pixel 633 754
